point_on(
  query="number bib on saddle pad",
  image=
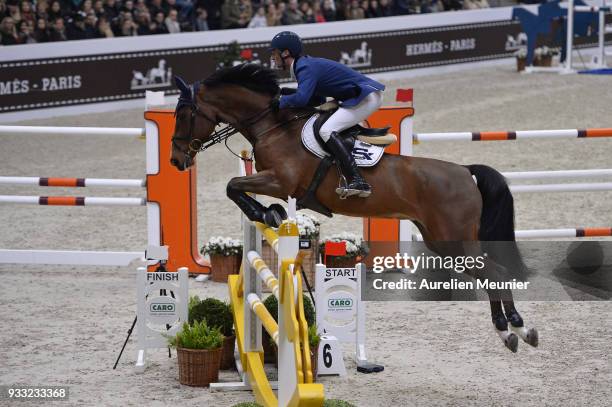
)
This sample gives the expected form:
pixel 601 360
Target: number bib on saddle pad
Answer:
pixel 366 155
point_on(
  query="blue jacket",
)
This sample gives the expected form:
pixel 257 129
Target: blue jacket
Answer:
pixel 319 78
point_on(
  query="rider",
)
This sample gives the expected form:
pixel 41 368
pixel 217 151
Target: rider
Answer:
pixel 317 78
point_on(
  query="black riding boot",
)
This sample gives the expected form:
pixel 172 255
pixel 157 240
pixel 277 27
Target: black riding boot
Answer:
pixel 356 184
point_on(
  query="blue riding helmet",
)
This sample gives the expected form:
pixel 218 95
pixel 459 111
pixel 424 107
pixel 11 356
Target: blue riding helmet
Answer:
pixel 287 40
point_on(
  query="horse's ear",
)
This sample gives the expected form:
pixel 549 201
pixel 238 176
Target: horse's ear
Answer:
pixel 182 85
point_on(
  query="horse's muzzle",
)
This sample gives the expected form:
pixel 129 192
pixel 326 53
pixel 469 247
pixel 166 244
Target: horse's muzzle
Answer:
pixel 187 162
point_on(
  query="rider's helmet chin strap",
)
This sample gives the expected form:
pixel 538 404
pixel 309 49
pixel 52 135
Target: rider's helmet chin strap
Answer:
pixel 284 63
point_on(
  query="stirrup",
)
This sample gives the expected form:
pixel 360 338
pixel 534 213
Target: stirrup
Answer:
pixel 344 191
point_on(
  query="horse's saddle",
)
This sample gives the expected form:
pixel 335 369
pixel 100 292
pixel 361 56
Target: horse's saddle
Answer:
pixel 367 144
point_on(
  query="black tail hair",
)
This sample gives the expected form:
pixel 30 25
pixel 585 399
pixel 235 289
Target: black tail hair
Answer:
pixel 497 218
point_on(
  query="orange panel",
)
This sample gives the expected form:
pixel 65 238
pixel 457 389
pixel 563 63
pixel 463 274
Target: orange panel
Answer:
pixel 175 192
pixel 377 229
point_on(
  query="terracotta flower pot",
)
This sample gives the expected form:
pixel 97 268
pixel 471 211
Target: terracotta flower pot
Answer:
pixel 199 367
pixel 227 359
pixel 223 266
pixel 543 61
pixel 520 64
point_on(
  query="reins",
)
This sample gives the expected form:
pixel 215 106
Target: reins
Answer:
pixel 218 136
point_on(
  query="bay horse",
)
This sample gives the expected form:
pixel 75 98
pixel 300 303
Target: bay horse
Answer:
pixel 441 198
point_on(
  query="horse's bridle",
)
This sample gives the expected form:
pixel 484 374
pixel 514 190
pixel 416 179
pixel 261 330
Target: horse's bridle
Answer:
pixel 218 136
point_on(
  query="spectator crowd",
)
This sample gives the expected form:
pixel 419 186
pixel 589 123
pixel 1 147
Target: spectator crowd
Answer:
pixel 25 21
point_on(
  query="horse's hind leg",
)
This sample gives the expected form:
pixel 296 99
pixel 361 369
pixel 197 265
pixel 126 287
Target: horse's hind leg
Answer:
pixel 528 335
pixel 447 240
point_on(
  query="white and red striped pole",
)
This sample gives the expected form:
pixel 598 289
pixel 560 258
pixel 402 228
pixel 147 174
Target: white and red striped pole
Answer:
pixel 72 200
pixel 74 182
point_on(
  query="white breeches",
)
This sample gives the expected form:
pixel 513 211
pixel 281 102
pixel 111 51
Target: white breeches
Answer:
pixel 350 116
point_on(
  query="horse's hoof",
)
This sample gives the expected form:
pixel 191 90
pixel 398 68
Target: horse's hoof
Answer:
pixel 275 215
pixel 511 342
pixel 529 336
pixel 533 338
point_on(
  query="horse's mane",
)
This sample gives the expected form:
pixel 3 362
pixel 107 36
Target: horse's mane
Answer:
pixel 251 76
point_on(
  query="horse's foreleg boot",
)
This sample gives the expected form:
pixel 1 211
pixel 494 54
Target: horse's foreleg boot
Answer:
pixel 274 215
pixel 253 210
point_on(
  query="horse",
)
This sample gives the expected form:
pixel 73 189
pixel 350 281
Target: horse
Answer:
pixel 439 197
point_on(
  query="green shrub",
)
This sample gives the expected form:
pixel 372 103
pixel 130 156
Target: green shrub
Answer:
pixel 193 300
pixel 197 336
pixel 309 311
pixel 271 304
pixel 313 337
pixel 216 313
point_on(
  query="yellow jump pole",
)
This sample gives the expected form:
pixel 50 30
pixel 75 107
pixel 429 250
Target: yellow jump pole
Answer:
pixel 262 313
pixel 264 272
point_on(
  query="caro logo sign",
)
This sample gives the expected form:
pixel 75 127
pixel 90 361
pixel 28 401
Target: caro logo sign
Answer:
pixel 340 303
pixel 162 307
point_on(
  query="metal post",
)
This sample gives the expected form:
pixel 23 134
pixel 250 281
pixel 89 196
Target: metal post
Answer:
pixel 252 284
pixel 602 36
pixel 570 36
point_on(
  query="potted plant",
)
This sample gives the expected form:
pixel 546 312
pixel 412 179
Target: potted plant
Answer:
pixel 199 350
pixel 217 314
pixel 521 59
pixel 309 227
pixel 313 341
pixel 542 56
pixel 356 249
pixel 225 255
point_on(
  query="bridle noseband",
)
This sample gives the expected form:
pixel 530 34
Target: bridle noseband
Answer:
pixel 218 136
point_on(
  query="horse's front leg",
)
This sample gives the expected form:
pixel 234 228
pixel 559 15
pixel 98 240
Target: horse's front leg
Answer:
pixel 263 183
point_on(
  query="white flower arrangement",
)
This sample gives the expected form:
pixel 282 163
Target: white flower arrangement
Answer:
pixel 354 244
pixel 308 225
pixel 521 53
pixel 543 51
pixel 224 246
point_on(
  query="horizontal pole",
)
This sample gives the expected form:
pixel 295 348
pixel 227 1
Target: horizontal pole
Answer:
pixel 554 233
pixel 264 315
pixel 70 257
pixel 263 271
pixel 72 200
pixel 71 131
pixel 74 182
pixel 524 175
pixel 591 9
pixel 269 234
pixel 513 135
pixel 561 233
pixel 576 187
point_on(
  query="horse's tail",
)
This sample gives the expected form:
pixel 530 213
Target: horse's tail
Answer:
pixel 497 218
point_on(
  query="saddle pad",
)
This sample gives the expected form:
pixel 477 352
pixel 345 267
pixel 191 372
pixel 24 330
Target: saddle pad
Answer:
pixel 366 155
